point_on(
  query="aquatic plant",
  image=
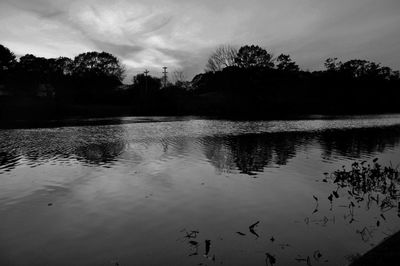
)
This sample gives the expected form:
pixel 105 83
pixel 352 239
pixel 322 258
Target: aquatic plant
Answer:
pixel 378 183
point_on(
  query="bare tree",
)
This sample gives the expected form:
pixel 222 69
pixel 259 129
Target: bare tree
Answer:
pixel 224 56
pixel 179 80
pixel 178 76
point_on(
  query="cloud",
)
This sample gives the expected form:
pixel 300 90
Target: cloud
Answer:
pixel 182 33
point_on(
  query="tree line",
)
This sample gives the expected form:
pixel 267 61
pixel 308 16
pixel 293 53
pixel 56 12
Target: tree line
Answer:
pixel 83 78
pixel 258 82
pixel 244 81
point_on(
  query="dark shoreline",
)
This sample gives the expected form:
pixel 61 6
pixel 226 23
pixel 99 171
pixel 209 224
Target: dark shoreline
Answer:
pixel 115 118
pixel 386 253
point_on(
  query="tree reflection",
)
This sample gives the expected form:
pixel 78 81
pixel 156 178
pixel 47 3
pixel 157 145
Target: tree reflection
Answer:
pixel 247 153
pixel 251 154
pixel 91 145
pixel 8 160
pixel 100 153
pixel 355 143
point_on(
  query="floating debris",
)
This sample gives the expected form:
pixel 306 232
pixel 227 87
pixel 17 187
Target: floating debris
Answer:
pixel 251 228
pixel 283 246
pixel 330 198
pixel 194 243
pixel 240 233
pixel 191 234
pixel 317 255
pixel 317 204
pixel 254 225
pixel 365 234
pixel 208 245
pixel 335 194
pixel 270 259
pixel 309 261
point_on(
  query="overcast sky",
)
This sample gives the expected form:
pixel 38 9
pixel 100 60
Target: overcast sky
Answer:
pixel 181 34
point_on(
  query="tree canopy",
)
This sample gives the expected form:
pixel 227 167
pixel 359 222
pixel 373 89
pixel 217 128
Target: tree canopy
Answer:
pixel 7 58
pixel 254 56
pixel 95 64
pixel 285 63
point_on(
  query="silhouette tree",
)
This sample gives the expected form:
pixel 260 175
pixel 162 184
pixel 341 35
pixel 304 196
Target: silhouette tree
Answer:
pixel 7 58
pixel 98 65
pixel 224 56
pixel 95 76
pixel 285 63
pixel 236 83
pixel 7 63
pixel 38 66
pixel 60 76
pixel 254 56
pixel 35 72
pixel 332 64
pixel 146 85
pixel 62 66
pixel 362 69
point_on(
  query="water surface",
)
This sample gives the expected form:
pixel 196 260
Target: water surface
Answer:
pixel 153 191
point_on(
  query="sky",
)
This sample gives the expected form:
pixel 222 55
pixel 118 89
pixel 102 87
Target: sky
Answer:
pixel 181 34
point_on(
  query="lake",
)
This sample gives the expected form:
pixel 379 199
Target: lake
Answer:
pixel 191 191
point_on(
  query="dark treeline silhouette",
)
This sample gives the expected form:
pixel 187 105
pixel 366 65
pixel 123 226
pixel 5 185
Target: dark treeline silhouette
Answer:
pixel 253 81
pixel 244 82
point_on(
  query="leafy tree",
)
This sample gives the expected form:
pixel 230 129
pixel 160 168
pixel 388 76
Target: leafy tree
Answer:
pixel 7 63
pixel 254 56
pixel 94 65
pixel 61 66
pixel 7 58
pixel 35 70
pixel 32 76
pixel 285 63
pixel 224 56
pixel 332 64
pixel 146 85
pixel 357 68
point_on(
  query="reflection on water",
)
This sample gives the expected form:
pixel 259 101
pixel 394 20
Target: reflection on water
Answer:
pixel 190 191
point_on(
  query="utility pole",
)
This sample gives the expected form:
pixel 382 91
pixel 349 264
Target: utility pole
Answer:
pixel 145 77
pixel 165 76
